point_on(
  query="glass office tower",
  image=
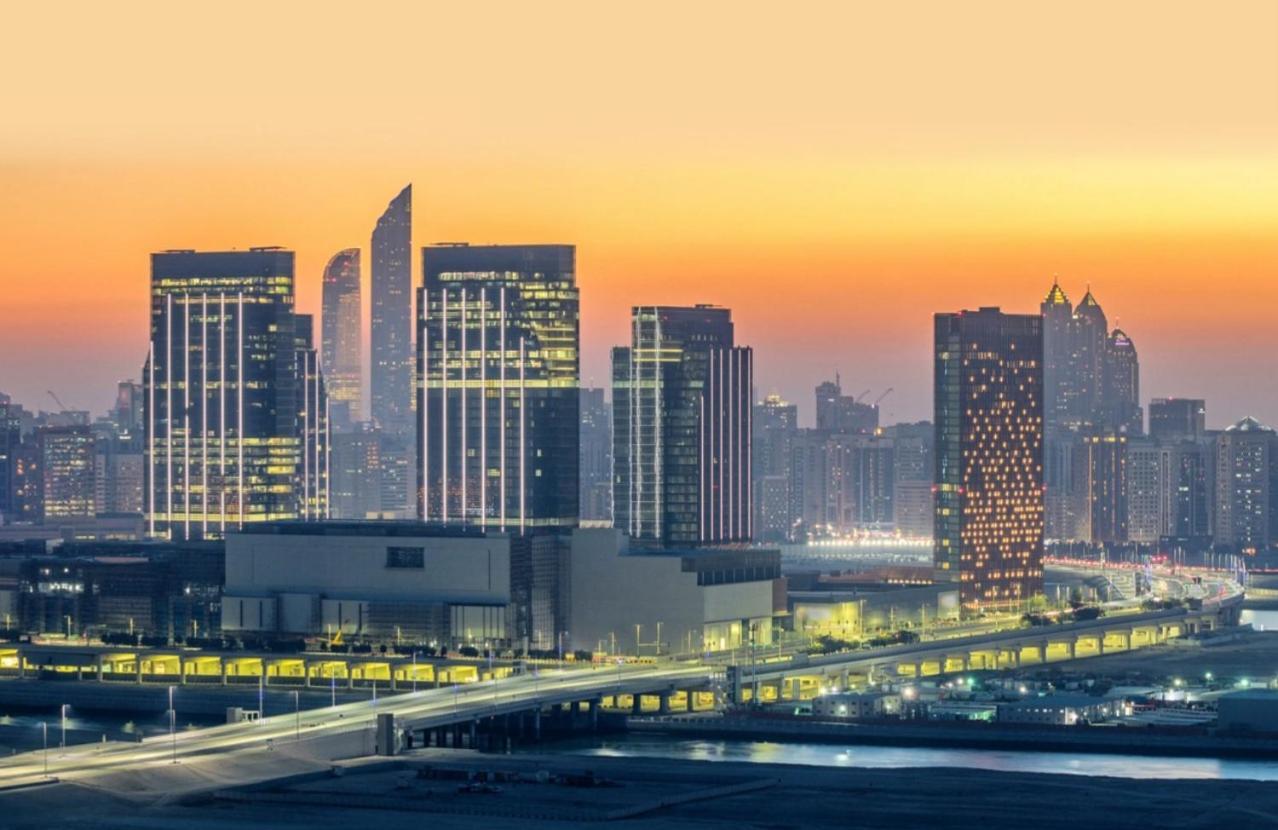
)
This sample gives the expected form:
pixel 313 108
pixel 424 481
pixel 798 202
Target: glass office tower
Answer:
pixel 988 400
pixel 229 394
pixel 499 396
pixel 343 346
pixel 682 428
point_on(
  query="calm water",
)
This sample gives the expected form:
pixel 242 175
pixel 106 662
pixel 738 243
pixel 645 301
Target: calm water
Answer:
pixel 1262 620
pixel 20 729
pixel 833 755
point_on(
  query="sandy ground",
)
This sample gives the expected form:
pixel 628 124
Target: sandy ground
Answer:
pixel 370 795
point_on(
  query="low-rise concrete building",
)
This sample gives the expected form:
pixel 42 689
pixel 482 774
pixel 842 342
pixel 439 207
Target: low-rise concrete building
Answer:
pixel 407 580
pixel 1252 710
pixel 860 611
pixel 632 599
pixel 1060 709
pixel 857 705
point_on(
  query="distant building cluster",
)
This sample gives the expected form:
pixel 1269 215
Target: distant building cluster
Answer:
pixel 470 488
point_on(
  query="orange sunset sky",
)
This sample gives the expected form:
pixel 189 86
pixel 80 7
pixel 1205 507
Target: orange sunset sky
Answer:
pixel 833 172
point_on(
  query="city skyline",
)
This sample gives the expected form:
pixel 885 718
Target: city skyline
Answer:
pixel 1154 186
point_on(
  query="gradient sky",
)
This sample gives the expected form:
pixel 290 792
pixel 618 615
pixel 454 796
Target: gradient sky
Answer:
pixel 835 173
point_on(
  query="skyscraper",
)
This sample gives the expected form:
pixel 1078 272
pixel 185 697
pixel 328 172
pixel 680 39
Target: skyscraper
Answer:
pixel 1120 390
pixel 1177 419
pixel 10 451
pixel 498 405
pixel 343 339
pixel 989 455
pixel 596 456
pixel 682 428
pixel 1247 463
pixel 67 470
pixel 229 393
pixel 776 424
pixel 312 416
pixel 836 412
pixel 391 346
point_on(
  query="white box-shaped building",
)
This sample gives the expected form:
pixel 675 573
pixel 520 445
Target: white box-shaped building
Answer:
pixel 700 599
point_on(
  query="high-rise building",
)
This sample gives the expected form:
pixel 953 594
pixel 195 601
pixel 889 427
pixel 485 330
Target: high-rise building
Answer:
pixel 1060 386
pixel 836 412
pixel 1246 466
pixel 1091 331
pixel 1101 468
pixel 391 351
pixel 343 339
pixel 67 472
pixel 10 449
pixel 498 403
pixel 913 464
pixel 231 393
pixel 356 489
pixel 313 426
pixel 1177 419
pixel 989 455
pixel 596 456
pixel 776 423
pixel 1120 398
pixel 682 428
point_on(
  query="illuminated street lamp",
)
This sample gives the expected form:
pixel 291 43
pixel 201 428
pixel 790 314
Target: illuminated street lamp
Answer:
pixel 64 725
pixel 297 714
pixel 45 728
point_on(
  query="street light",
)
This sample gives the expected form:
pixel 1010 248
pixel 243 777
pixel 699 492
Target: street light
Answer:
pixel 297 713
pixel 414 670
pixel 64 725
pixel 45 728
pixel 172 725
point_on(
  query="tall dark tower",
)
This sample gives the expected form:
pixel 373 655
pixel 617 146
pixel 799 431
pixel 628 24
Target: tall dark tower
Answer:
pixel 1091 330
pixel 1120 396
pixel 236 425
pixel 498 405
pixel 391 349
pixel 989 455
pixel 682 428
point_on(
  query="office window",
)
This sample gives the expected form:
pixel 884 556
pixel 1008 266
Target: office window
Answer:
pixel 405 557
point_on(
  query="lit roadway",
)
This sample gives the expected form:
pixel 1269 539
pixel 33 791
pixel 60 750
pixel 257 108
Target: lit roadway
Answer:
pixel 424 709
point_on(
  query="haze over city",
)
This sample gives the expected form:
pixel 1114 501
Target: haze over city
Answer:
pixel 833 175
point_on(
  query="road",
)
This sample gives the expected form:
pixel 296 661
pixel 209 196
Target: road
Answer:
pixel 424 709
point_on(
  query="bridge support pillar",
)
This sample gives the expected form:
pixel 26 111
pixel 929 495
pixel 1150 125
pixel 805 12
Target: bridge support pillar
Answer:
pixel 537 724
pixel 138 670
pixel 795 686
pixel 636 704
pixel 663 703
pixel 474 734
pixel 594 713
pixel 98 667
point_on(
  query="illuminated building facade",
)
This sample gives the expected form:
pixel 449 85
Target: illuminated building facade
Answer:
pixel 1101 467
pixel 1246 468
pixel 343 347
pixel 1120 398
pixel 596 456
pixel 233 397
pixel 67 468
pixel 10 450
pixel 499 397
pixel 682 428
pixel 988 534
pixel 313 423
pixel 776 423
pixel 391 350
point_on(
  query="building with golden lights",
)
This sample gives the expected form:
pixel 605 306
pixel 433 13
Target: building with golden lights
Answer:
pixel 988 535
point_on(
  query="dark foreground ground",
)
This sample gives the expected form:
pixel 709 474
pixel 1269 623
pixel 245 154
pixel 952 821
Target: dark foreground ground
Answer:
pixel 422 791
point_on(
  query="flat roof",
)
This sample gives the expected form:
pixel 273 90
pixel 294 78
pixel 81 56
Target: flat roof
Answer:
pixel 396 528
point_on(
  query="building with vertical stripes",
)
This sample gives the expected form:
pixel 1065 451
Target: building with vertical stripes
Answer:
pixel 236 412
pixel 682 428
pixel 499 391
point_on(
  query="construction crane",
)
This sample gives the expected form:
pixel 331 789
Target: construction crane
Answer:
pixel 880 398
pixel 862 395
pixel 61 406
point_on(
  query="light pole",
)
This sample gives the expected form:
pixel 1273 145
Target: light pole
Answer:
pixel 332 688
pixel 172 725
pixel 45 727
pixel 414 670
pixel 297 714
pixel 64 725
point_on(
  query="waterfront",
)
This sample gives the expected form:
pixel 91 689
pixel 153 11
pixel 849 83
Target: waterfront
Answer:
pixel 889 757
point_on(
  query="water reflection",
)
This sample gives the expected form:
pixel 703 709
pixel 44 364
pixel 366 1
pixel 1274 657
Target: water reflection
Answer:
pixel 829 755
